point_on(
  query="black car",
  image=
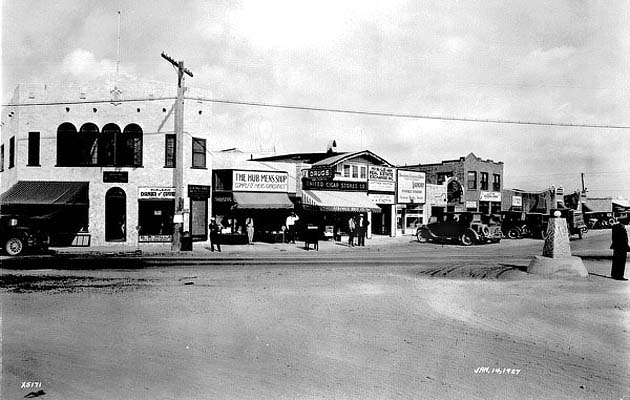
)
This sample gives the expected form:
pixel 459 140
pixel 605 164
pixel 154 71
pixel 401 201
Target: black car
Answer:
pixel 465 228
pixel 18 236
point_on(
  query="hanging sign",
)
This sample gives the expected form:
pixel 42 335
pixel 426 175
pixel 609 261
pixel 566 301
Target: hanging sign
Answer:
pixel 308 184
pixel 517 201
pixel 378 198
pixel 436 195
pixel 320 174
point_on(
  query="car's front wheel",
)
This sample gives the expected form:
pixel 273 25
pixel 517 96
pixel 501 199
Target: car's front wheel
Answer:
pixel 14 246
pixel 466 239
pixel 514 233
pixel 421 238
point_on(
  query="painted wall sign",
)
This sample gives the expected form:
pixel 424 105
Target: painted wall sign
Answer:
pixel 378 198
pixel 382 179
pixel 517 201
pixel 115 176
pixel 308 184
pixel 436 195
pixel 260 181
pixel 156 193
pixel 411 187
pixel 489 196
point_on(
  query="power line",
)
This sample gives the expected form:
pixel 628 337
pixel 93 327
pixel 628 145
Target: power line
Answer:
pixel 343 111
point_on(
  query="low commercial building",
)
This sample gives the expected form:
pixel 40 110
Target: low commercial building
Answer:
pixel 96 162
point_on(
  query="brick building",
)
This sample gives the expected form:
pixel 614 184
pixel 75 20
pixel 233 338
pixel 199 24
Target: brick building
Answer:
pixel 473 184
pixel 97 161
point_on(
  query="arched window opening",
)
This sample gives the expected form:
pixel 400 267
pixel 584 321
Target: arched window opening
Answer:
pixel 107 145
pixel 115 215
pixel 129 147
pixel 88 138
pixel 67 145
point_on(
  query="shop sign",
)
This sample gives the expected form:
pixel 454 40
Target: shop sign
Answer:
pixel 259 181
pixel 115 176
pixel 378 198
pixel 308 184
pixel 489 196
pixel 471 204
pixel 411 187
pixel 320 174
pixel 154 238
pixel 198 191
pixel 381 178
pixel 436 195
pixel 156 193
pixel 517 201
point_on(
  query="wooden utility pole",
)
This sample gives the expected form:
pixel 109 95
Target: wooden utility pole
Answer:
pixel 178 171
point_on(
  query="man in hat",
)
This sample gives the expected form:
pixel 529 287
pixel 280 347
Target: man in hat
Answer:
pixel 620 251
pixel 215 234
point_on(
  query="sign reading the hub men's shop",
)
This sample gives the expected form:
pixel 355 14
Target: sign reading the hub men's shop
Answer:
pixel 260 181
pixel 115 176
pixel 381 179
pixel 156 193
pixel 411 187
pixel 308 184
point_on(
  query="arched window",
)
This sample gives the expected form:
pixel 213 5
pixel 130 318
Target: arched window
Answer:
pixel 67 145
pixel 88 138
pixel 129 147
pixel 115 215
pixel 107 145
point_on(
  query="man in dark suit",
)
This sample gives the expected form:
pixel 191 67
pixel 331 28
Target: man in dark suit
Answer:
pixel 620 249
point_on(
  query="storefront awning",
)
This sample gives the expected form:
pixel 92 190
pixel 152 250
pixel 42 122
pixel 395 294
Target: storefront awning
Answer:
pixel 621 203
pixel 337 201
pixel 261 201
pixel 46 193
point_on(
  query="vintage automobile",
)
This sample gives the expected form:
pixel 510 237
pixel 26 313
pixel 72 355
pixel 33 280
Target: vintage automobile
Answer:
pixel 18 236
pixel 465 228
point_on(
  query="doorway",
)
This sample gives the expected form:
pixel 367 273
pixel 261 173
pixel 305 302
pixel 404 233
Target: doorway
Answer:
pixel 115 215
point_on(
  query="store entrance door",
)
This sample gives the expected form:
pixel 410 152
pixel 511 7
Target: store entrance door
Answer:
pixel 115 215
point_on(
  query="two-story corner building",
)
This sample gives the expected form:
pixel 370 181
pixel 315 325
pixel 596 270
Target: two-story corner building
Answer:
pixel 96 163
pixel 473 184
pixel 338 185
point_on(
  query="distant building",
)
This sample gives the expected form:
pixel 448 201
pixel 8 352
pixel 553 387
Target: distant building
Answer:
pixel 473 184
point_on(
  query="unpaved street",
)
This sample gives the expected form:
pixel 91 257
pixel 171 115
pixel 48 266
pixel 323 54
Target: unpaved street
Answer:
pixel 450 327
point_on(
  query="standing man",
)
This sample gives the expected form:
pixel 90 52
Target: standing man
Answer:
pixel 352 228
pixel 249 224
pixel 215 234
pixel 290 223
pixel 362 228
pixel 620 249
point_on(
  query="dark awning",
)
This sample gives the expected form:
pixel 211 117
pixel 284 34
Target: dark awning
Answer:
pixel 258 201
pixel 337 201
pixel 46 193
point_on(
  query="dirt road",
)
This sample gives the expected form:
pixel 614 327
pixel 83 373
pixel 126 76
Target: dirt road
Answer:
pixel 315 332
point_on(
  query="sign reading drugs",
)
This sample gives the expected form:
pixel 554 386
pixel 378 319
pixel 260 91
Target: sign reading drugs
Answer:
pixel 320 174
pixel 411 187
pixel 156 193
pixel 260 181
pixel 381 179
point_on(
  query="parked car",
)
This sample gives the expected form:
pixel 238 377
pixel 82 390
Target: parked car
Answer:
pixel 18 236
pixel 465 228
pixel 514 225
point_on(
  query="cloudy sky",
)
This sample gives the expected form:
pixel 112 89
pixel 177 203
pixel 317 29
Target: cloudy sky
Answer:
pixel 549 61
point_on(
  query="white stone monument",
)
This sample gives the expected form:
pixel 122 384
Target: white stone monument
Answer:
pixel 556 258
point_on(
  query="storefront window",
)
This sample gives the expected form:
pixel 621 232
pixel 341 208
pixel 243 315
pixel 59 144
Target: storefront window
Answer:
pixel 155 218
pixel 484 207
